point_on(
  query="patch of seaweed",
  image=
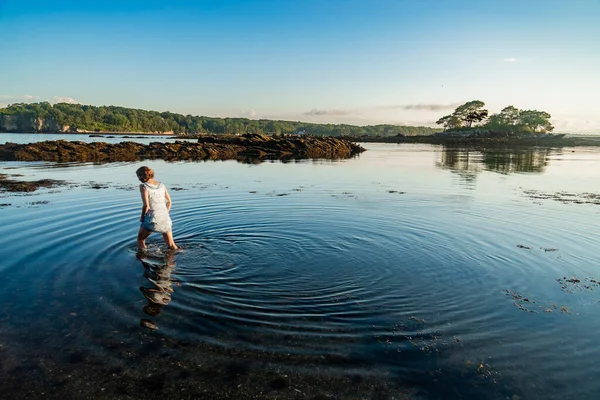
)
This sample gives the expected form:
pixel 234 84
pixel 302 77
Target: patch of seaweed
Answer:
pixel 574 283
pixel 13 185
pixel 530 305
pixel 565 197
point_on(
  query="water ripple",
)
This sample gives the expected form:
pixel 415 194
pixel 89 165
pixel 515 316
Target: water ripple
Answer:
pixel 427 277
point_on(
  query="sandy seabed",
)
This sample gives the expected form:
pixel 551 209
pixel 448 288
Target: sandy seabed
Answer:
pixel 160 367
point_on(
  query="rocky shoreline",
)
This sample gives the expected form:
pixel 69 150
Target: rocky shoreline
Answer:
pixel 245 148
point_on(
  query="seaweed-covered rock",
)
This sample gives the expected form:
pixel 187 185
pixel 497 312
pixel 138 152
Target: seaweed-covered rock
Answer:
pixel 248 148
pixel 14 185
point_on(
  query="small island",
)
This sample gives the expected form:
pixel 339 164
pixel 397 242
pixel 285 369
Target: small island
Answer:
pixel 248 148
pixel 470 125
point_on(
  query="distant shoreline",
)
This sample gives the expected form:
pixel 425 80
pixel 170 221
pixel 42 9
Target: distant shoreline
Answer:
pixel 92 133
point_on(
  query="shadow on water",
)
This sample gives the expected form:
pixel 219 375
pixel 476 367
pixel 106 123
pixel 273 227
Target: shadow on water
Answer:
pixel 158 268
pixel 468 162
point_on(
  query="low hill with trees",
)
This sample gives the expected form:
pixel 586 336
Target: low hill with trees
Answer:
pixel 76 118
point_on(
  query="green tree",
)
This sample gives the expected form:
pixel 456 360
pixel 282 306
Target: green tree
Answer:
pixel 450 122
pixel 510 115
pixel 470 112
pixel 465 115
pixel 534 120
pixel 506 120
pixel 513 120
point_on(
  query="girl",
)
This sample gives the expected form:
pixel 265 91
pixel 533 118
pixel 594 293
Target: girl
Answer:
pixel 155 209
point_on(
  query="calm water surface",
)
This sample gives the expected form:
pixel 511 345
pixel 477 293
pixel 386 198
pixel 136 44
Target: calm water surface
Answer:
pixel 462 272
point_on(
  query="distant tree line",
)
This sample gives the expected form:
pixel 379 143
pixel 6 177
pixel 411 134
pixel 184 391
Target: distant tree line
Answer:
pixel 77 117
pixel 510 120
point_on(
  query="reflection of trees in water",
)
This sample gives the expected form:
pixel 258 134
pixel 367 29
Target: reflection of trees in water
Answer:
pixel 531 160
pixel 469 162
pixel 465 163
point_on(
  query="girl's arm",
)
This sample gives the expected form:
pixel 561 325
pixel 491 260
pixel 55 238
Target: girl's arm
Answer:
pixel 145 202
pixel 168 200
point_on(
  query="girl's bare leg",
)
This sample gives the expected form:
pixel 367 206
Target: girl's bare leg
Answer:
pixel 168 237
pixel 141 238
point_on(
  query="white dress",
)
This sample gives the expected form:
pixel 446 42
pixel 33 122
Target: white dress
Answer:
pixel 157 218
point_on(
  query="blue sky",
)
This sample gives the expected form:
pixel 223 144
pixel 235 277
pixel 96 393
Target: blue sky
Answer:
pixel 360 62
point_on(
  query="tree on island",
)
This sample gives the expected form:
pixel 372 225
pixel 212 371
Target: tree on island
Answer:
pixel 534 119
pixel 509 116
pixel 510 120
pixel 465 115
pixel 450 122
pixel 513 120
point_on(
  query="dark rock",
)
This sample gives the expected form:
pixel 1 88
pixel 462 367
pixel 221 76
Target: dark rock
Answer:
pixel 11 185
pixel 247 148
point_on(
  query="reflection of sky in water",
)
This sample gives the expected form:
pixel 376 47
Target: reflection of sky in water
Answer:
pixel 313 257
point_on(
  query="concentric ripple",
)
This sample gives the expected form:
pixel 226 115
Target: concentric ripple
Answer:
pixel 405 273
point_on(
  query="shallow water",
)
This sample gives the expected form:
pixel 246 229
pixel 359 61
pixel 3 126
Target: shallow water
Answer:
pixel 23 138
pixel 466 273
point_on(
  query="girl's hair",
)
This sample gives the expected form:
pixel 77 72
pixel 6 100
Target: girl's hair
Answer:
pixel 145 173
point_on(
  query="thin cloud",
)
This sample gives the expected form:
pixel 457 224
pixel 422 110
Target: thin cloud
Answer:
pixel 29 98
pixel 25 97
pixel 589 124
pixel 429 107
pixel 326 112
pixel 510 60
pixel 420 107
pixel 65 99
pixel 250 114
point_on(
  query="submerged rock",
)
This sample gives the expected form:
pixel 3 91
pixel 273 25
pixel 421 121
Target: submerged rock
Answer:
pixel 246 148
pixel 13 185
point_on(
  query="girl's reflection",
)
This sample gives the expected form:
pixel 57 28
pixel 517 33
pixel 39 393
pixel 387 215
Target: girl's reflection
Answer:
pixel 157 269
